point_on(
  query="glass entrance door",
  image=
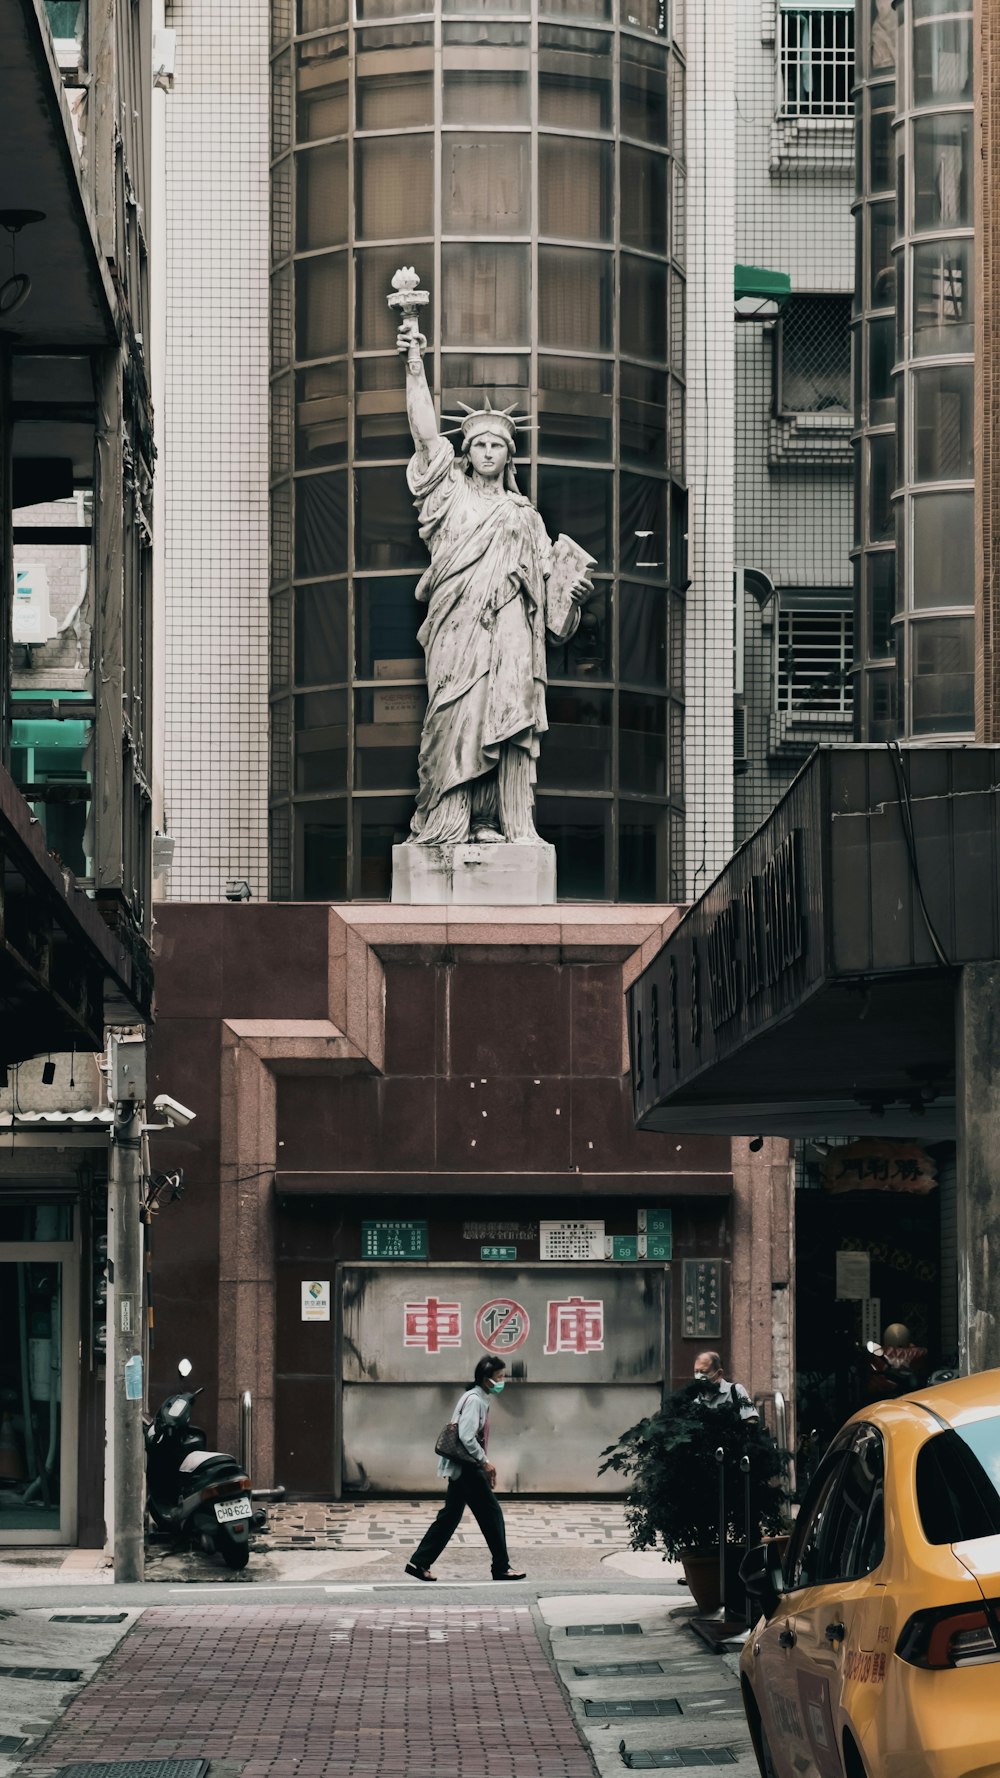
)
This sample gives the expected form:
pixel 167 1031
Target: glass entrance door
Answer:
pixel 39 1352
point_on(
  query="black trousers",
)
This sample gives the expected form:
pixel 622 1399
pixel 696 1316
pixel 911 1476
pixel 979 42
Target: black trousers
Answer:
pixel 470 1489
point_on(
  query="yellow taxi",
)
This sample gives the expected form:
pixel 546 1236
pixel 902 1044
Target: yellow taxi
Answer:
pixel 878 1652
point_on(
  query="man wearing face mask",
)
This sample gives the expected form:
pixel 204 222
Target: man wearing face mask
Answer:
pixel 717 1393
pixel 470 1483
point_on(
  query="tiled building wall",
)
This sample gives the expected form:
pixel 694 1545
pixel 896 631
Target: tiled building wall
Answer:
pixel 986 311
pixel 711 190
pixel 214 434
pixel 793 508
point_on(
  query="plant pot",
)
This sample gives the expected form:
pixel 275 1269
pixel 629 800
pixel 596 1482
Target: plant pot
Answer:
pixel 701 1571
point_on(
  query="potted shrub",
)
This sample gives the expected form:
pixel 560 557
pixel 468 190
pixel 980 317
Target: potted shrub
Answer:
pixel 673 1498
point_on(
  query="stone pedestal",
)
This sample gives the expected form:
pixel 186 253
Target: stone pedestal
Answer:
pixel 492 875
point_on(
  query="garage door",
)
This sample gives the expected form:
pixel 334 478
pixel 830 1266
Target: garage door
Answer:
pixel 586 1347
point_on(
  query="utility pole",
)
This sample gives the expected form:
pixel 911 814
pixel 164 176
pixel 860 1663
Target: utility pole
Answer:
pixel 127 1084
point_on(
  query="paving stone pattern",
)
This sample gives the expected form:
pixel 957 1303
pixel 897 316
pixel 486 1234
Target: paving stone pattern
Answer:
pixel 308 1692
pixel 363 1525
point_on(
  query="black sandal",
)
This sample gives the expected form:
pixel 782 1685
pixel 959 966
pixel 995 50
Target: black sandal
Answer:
pixel 419 1573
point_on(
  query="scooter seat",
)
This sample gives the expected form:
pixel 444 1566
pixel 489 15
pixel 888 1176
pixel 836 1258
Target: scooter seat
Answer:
pixel 195 1459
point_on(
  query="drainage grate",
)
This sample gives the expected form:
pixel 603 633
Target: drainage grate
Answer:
pixel 604 1630
pixel 136 1768
pixel 12 1743
pixel 632 1707
pixel 88 1617
pixel 622 1670
pixel 68 1674
pixel 727 1706
pixel 671 1759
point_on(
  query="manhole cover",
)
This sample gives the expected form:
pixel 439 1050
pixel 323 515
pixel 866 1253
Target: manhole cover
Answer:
pixel 670 1759
pixel 622 1670
pixel 604 1630
pixel 136 1768
pixel 88 1617
pixel 69 1674
pixel 632 1707
pixel 12 1743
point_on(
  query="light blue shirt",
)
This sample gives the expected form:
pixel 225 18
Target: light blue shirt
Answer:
pixel 470 1416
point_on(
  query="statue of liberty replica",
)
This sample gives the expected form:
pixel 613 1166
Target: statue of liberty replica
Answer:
pixel 495 586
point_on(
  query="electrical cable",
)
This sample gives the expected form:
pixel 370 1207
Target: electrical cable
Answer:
pixel 906 816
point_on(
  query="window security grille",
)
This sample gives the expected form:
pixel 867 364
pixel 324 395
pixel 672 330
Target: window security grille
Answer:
pixel 814 661
pixel 816 66
pixel 814 356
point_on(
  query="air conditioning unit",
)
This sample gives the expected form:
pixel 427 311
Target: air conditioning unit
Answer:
pixel 740 761
pixel 163 853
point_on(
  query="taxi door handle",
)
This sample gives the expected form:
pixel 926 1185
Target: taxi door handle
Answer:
pixel 786 1639
pixel 835 1632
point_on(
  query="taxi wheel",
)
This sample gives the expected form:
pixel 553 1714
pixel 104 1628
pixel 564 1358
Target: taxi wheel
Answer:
pixel 766 1756
pixel 854 1765
pixel 758 1736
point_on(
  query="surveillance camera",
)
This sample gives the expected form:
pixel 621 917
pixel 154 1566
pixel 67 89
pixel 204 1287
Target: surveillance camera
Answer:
pixel 177 1115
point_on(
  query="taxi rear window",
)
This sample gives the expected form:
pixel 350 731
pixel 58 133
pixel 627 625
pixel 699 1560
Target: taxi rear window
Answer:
pixel 958 1483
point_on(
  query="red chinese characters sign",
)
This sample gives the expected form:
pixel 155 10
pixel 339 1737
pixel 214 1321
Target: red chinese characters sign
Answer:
pixel 576 1324
pixel 432 1325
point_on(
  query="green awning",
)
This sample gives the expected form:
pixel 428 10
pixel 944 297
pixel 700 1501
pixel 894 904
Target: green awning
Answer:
pixel 758 281
pixel 760 293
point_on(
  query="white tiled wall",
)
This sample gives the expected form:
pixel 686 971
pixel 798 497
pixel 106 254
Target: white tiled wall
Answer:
pixel 214 442
pixel 708 674
pixel 792 522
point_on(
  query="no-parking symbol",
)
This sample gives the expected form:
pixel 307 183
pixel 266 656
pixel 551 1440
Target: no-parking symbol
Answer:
pixel 502 1325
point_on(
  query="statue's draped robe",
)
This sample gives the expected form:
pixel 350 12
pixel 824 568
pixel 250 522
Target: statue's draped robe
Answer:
pixel 484 633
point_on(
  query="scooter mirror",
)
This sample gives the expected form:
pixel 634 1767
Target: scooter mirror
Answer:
pixel 185 1367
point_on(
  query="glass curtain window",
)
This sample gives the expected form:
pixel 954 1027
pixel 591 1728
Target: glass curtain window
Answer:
pixel 544 242
pixel 485 185
pixel 943 294
pixel 574 189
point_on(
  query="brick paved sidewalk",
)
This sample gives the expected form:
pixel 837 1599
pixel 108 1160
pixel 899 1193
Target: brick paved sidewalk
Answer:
pixel 314 1692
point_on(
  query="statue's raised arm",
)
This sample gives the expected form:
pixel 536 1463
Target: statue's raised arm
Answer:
pixel 495 586
pixel 408 300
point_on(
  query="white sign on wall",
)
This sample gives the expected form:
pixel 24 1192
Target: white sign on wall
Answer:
pixel 316 1299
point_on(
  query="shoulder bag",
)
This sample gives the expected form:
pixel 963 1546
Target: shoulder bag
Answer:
pixel 448 1444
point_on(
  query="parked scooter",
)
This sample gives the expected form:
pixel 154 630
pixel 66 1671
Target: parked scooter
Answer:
pixel 196 1494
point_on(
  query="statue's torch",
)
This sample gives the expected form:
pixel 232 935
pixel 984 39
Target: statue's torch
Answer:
pixel 408 301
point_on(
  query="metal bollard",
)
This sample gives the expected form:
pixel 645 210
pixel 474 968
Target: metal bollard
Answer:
pixel 720 1458
pixel 246 1430
pixel 745 1467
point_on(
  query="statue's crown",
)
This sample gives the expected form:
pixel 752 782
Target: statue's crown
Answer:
pixel 475 420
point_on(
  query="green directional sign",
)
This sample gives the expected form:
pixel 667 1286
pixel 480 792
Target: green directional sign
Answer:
pixel 624 1246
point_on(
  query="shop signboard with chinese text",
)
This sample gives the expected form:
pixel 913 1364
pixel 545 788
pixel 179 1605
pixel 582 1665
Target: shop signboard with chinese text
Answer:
pixel 872 1164
pixel 701 1286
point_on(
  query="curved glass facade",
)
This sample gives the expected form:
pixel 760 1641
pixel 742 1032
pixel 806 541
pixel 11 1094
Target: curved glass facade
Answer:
pixel 874 551
pixel 915 445
pixel 934 503
pixel 527 159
